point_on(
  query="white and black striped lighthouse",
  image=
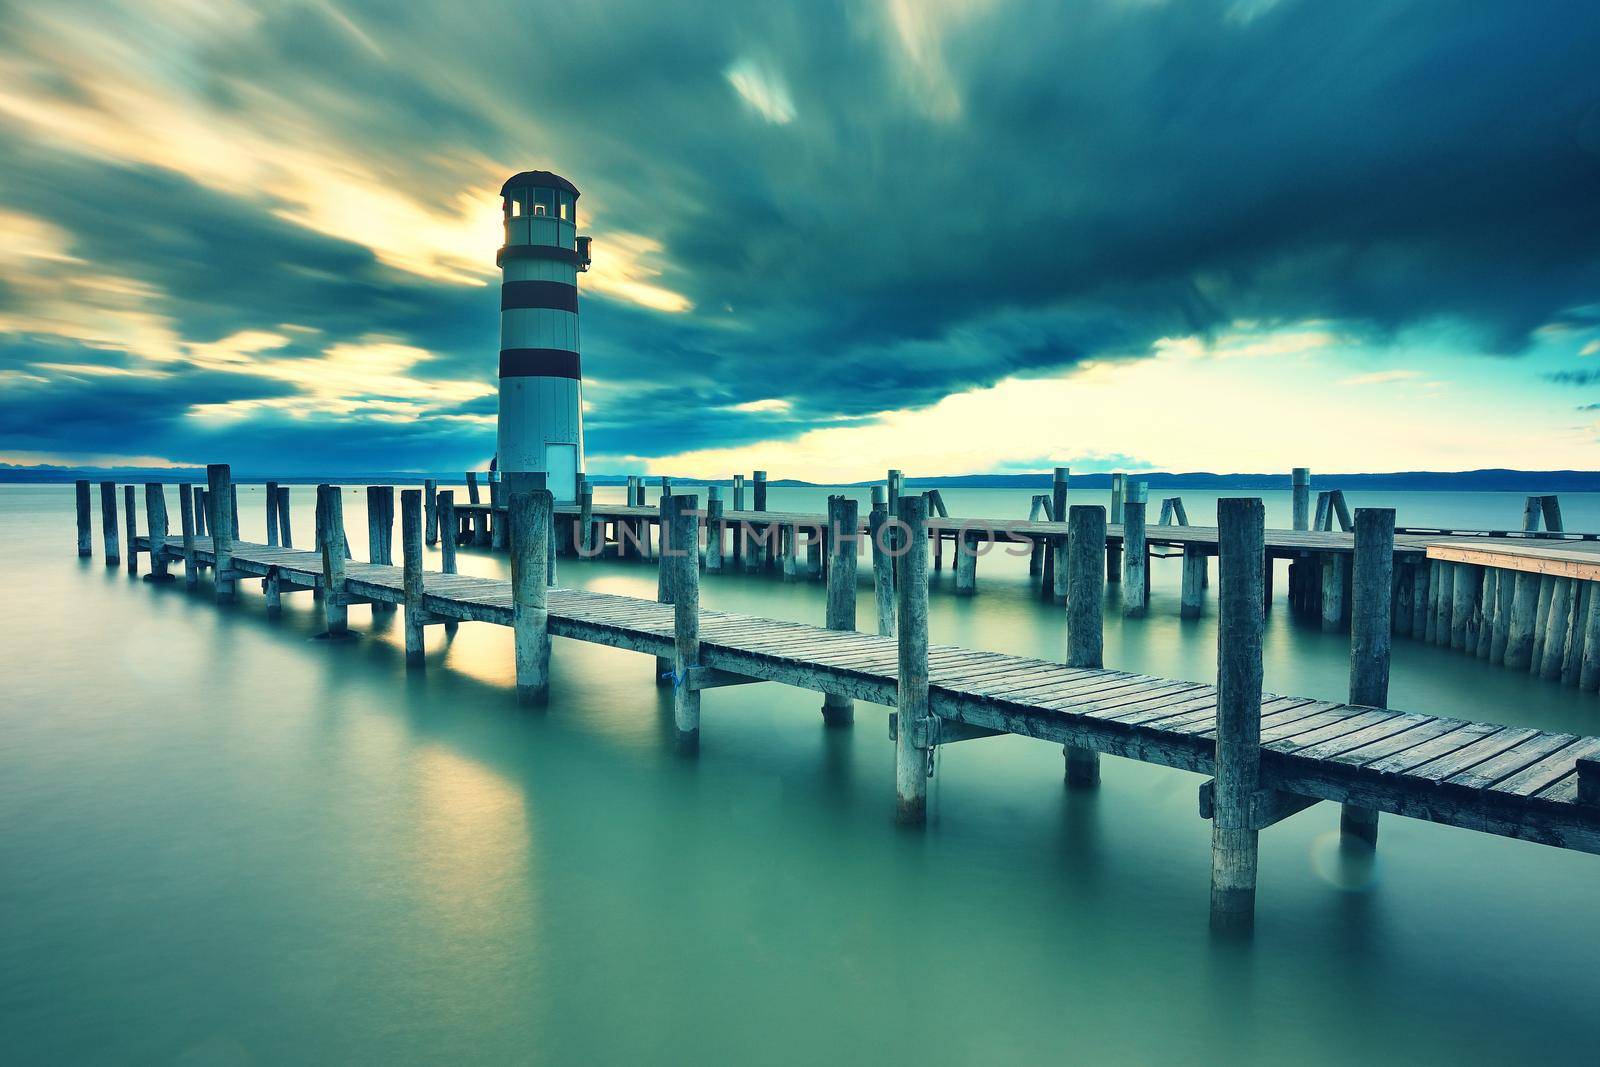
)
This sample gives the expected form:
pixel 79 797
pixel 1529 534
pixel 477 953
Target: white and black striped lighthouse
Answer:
pixel 541 384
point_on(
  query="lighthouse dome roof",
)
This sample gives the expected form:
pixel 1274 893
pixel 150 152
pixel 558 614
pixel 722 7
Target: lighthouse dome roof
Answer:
pixel 542 179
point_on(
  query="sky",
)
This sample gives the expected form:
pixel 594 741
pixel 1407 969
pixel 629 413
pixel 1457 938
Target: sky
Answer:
pixel 948 236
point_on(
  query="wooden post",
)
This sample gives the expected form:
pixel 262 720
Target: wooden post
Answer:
pixel 1551 508
pixel 430 511
pixel 1119 486
pixel 1484 616
pixel 497 520
pixel 1558 619
pixel 1036 546
pixel 911 727
pixel 191 569
pixel 1136 559
pixel 1420 576
pixel 1504 597
pixel 1335 568
pixel 108 523
pixel 1465 582
pixel 1589 669
pixel 843 523
pixel 330 542
pixel 1520 629
pixel 202 508
pixel 1300 488
pixel 155 521
pixel 272 514
pixel 1370 640
pixel 880 534
pixel 1445 596
pixel 737 546
pixel 1530 514
pixel 665 575
pixel 447 531
pixel 759 556
pixel 1241 543
pixel 678 555
pixel 411 572
pixel 1541 618
pixel 285 534
pixel 1086 590
pixel 219 482
pixel 380 530
pixel 1054 582
pixel 1195 563
pixel 1577 632
pixel 85 524
pixel 966 563
pixel 587 548
pixel 530 523
pixel 131 518
pixel 472 487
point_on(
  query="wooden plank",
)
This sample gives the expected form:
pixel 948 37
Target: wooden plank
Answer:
pixel 1509 762
pixel 1453 763
pixel 1549 770
pixel 1463 735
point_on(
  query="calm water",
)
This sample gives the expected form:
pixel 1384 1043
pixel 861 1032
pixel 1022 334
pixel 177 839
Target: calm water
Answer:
pixel 224 842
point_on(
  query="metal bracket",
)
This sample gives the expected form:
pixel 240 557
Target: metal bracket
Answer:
pixel 713 678
pixel 1267 806
pixel 934 731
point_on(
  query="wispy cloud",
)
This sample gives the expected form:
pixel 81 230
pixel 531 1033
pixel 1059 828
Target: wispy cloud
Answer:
pixel 1383 377
pixel 763 90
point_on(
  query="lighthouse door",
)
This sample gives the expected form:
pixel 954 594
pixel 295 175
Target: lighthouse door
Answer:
pixel 561 472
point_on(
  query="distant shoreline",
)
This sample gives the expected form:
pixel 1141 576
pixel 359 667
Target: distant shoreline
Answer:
pixel 1492 480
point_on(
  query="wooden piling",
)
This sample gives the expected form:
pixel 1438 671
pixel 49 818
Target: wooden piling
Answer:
pixel 1557 622
pixel 411 573
pixel 447 531
pixel 85 523
pixel 1300 488
pixel 497 519
pixel 1589 669
pixel 1577 632
pixel 109 532
pixel 678 552
pixel 1444 600
pixel 1547 585
pixel 430 511
pixel 1371 582
pixel 1192 599
pixel 472 487
pixel 967 562
pixel 330 542
pixel 285 534
pixel 716 529
pixel 1420 576
pixel 1136 559
pixel 219 482
pixel 1484 616
pixel 155 521
pixel 186 512
pixel 1035 545
pixel 1335 574
pixel 1520 629
pixel 881 535
pixel 737 542
pixel 272 514
pixel 843 523
pixel 912 751
pixel 1241 545
pixel 1054 583
pixel 1550 505
pixel 380 530
pixel 202 512
pixel 1466 580
pixel 665 575
pixel 130 516
pixel 587 546
pixel 1119 485
pixel 529 515
pixel 1086 590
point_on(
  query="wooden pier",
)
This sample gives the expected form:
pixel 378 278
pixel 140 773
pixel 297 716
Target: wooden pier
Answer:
pixel 1270 756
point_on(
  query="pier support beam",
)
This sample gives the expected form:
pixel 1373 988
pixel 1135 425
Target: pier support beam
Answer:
pixel 716 532
pixel 1557 622
pixel 131 518
pixel 330 542
pixel 202 511
pixel 529 517
pixel 1589 665
pixel 1136 559
pixel 843 523
pixel 285 536
pixel 880 533
pixel 1465 581
pixel 665 575
pixel 967 563
pixel 1300 488
pixel 911 601
pixel 759 553
pixel 1053 585
pixel 1241 543
pixel 411 524
pixel 380 531
pixel 1086 590
pixel 1371 586
pixel 1524 609
pixel 678 555
pixel 108 523
pixel 1195 563
pixel 1035 545
pixel 1541 619
pixel 155 521
pixel 219 491
pixel 191 569
pixel 1119 488
pixel 85 527
pixel 272 514
pixel 430 511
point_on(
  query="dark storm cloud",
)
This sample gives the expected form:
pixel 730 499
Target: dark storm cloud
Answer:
pixel 1037 184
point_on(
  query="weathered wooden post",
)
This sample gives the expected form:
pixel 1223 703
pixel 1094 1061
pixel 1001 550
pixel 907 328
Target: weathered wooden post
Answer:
pixel 844 525
pixel 186 523
pixel 666 573
pixel 760 554
pixel 1555 631
pixel 1465 582
pixel 1524 606
pixel 1119 487
pixel 714 528
pixel 202 509
pixel 1371 580
pixel 1136 559
pixel 380 530
pixel 155 514
pixel 430 511
pixel 1541 618
pixel 1086 588
pixel 680 559
pixel 411 573
pixel 1577 631
pixel 1300 488
pixel 737 547
pixel 1420 576
pixel 1241 543
pixel 530 513
pixel 285 536
pixel 1035 545
pixel 911 726
pixel 330 542
pixel 497 518
pixel 447 531
pixel 219 482
pixel 1589 667
pixel 85 523
pixel 272 514
pixel 1335 572
pixel 1192 599
pixel 967 561
pixel 1058 501
pixel 131 517
pixel 879 533
pixel 472 487
pixel 587 546
pixel 1485 616
pixel 108 523
pixel 1550 505
pixel 1504 595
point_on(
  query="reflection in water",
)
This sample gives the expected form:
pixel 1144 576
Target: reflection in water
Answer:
pixel 223 839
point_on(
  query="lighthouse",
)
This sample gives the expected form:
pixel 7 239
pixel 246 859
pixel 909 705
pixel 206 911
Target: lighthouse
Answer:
pixel 540 440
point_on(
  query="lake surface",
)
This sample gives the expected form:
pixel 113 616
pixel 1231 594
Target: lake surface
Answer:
pixel 226 842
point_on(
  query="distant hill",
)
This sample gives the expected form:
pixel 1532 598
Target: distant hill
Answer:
pixel 1494 480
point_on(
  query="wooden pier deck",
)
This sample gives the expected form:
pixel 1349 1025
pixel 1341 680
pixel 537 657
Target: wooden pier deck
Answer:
pixel 1510 781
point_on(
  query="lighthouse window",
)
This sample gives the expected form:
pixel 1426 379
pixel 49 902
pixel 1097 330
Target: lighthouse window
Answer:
pixel 516 206
pixel 566 207
pixel 544 202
